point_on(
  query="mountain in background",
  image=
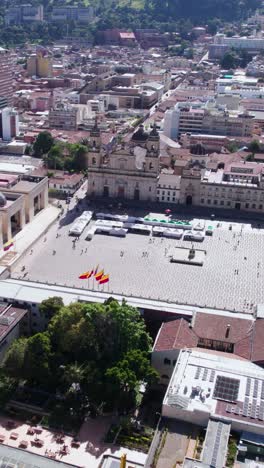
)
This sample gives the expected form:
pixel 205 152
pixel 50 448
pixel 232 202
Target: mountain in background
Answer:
pixel 164 15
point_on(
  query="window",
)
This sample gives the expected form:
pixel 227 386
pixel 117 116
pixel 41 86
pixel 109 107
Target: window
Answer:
pixel 34 314
pixel 150 165
pixel 173 198
pixel 162 198
pixel 202 200
pixel 222 202
pixel 228 203
pixel 158 192
pixel 93 161
pixel 209 201
pixel 167 361
pixel 168 198
pixel 163 192
pixel 260 207
pixel 246 205
pixel 174 361
pixel 215 202
pixel 253 206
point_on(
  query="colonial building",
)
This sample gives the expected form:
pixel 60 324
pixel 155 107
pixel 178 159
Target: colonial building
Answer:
pixel 127 171
pixel 237 185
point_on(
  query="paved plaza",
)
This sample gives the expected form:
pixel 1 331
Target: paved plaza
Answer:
pixel 89 454
pixel 231 277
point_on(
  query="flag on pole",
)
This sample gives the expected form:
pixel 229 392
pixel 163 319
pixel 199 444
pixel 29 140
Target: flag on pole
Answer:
pixel 8 245
pixel 86 275
pixel 96 270
pixel 99 275
pixel 104 279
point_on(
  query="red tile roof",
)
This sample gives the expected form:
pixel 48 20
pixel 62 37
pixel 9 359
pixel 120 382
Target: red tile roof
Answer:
pixel 214 327
pixel 257 342
pixel 175 335
pixel 245 334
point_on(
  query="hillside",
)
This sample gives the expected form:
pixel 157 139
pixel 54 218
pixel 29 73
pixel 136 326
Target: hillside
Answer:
pixel 165 15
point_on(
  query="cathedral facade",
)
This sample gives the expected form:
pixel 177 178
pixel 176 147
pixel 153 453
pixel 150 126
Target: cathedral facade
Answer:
pixel 127 171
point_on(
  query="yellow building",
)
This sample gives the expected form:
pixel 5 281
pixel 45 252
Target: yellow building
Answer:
pixel 40 65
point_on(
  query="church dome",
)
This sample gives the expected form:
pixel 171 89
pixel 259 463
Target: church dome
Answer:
pixel 140 134
pixel 2 200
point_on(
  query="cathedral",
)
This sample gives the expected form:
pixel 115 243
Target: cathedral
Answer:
pixel 127 171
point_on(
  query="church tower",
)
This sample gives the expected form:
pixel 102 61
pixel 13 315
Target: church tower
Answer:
pixel 94 153
pixel 153 151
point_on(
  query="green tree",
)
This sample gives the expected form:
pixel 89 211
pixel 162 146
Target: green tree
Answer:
pixel 80 157
pixel 37 357
pixel 14 359
pixel 51 306
pixel 254 146
pixel 42 144
pixel 55 159
pixel 229 61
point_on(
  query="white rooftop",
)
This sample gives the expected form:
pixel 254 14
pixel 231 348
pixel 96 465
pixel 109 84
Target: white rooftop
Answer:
pixel 209 384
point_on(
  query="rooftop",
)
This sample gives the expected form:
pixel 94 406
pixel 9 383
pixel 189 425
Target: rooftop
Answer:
pixel 215 384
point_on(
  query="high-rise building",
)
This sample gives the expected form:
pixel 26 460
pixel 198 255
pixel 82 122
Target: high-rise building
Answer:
pixel 9 123
pixel 40 64
pixel 6 89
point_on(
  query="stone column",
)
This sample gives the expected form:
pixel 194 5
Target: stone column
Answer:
pixel 22 218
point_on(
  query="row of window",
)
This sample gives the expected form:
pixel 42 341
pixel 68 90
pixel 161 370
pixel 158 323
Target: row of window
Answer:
pixel 168 362
pixel 254 206
pixel 168 192
pixel 169 199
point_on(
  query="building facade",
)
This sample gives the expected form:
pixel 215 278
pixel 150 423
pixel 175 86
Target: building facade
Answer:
pixel 239 186
pixel 6 88
pixel 207 119
pixel 127 171
pixel 24 14
pixel 63 116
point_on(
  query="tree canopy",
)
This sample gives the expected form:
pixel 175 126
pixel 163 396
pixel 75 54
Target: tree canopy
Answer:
pixel 43 144
pixel 93 353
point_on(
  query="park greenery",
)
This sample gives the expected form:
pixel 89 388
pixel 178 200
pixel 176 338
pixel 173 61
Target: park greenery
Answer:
pixel 166 16
pixel 60 155
pixel 94 356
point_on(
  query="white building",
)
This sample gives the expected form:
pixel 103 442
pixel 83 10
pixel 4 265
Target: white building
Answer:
pixel 168 188
pixel 10 123
pixel 205 385
pixel 238 42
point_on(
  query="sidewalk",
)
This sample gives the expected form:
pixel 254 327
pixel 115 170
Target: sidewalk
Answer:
pixel 28 236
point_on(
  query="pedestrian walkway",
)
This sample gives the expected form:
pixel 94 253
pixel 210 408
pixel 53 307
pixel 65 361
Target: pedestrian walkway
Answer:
pixel 29 235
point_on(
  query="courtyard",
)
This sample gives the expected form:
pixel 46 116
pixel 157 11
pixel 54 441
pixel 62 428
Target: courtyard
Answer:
pixel 231 276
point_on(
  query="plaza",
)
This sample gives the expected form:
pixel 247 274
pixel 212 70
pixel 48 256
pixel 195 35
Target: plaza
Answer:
pixel 140 266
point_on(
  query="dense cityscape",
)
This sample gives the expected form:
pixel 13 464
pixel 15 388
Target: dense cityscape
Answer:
pixel 132 234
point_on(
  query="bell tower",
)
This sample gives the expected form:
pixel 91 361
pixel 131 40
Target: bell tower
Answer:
pixel 94 153
pixel 153 150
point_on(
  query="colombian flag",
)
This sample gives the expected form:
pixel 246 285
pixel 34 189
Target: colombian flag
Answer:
pixel 104 279
pixel 99 275
pixel 86 275
pixel 8 245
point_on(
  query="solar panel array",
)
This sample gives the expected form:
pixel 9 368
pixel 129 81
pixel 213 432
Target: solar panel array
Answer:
pixel 204 373
pixel 248 387
pixel 212 376
pixel 226 388
pixel 217 444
